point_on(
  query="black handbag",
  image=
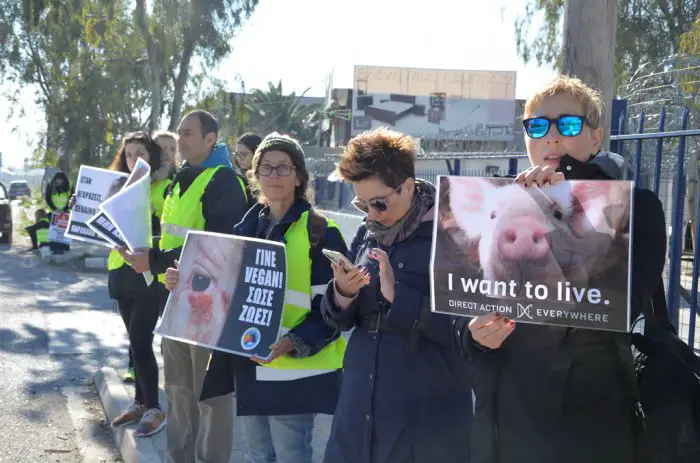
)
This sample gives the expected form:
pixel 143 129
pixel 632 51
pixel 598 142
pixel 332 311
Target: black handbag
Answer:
pixel 668 389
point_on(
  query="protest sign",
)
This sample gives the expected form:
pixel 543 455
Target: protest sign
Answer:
pixel 106 229
pixel 129 210
pixel 57 227
pixel 229 295
pixel 556 255
pixel 94 186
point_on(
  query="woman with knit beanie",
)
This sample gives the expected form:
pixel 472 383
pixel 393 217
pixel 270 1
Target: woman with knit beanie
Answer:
pixel 277 398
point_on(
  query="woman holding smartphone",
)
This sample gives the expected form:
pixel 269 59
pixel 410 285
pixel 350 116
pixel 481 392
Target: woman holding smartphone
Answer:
pixel 278 398
pixel 406 394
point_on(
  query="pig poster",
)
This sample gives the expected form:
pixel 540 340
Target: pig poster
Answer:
pixel 557 255
pixel 229 295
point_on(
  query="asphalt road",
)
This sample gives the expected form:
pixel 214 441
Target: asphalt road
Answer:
pixel 54 334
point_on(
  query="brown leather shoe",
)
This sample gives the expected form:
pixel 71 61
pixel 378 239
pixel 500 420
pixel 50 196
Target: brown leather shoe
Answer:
pixel 153 421
pixel 131 415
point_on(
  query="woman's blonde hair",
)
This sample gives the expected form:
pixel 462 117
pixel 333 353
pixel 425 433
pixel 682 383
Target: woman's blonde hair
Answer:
pixel 589 98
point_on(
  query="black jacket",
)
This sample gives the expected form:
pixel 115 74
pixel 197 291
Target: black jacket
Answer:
pixel 406 394
pixel 555 394
pixel 52 189
pixel 124 282
pixel 224 204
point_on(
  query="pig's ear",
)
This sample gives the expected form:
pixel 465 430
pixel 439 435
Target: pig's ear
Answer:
pixel 468 199
pixel 590 204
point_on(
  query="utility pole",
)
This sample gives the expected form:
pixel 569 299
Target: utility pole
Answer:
pixel 588 48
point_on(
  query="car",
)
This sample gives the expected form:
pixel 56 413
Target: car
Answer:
pixel 5 216
pixel 19 188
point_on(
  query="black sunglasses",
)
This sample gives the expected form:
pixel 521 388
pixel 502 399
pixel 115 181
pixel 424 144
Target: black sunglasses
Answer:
pixel 379 204
pixel 567 125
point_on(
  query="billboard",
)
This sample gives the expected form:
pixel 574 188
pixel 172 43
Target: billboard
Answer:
pixel 435 103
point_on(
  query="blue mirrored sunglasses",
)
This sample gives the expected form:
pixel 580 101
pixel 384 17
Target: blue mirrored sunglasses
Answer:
pixel 568 126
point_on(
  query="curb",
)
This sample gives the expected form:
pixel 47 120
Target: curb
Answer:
pixel 115 398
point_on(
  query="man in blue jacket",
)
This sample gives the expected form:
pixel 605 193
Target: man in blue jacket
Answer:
pixel 206 178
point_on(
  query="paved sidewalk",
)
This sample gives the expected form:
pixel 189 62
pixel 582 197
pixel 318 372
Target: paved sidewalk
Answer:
pixel 116 396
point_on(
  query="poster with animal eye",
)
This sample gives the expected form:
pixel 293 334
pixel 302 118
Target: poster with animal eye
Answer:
pixel 557 255
pixel 229 295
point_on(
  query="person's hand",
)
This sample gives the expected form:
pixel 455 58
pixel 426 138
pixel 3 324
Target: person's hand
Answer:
pixel 349 282
pixel 137 259
pixel 386 273
pixel 171 276
pixel 539 176
pixel 491 330
pixel 280 348
pixel 71 201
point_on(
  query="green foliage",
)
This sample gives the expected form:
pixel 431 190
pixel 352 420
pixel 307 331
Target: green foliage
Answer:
pixel 647 32
pixel 689 48
pixel 546 45
pixel 85 59
pixel 92 65
pixel 271 110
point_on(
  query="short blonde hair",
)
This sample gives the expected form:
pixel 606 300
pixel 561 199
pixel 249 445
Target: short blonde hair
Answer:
pixel 574 87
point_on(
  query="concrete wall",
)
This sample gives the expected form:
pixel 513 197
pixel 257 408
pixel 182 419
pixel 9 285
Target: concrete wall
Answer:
pixel 347 223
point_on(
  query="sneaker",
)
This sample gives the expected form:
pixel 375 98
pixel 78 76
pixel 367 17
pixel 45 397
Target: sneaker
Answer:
pixel 130 376
pixel 131 415
pixel 153 421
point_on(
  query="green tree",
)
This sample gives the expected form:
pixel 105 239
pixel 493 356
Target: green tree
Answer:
pixel 178 31
pixel 271 110
pixel 647 32
pixel 689 51
pixel 84 58
pixel 106 67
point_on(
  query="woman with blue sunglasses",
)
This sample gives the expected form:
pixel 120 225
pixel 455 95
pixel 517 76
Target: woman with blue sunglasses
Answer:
pixel 548 394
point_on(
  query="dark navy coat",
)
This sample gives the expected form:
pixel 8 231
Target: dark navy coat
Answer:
pixel 315 394
pixel 405 397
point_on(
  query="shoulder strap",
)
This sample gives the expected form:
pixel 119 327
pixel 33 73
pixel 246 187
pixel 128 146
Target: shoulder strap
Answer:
pixel 317 225
pixel 660 309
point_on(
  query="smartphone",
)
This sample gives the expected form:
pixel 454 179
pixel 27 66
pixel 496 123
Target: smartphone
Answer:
pixel 338 259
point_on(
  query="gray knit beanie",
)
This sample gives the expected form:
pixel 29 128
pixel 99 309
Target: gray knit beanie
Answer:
pixel 284 143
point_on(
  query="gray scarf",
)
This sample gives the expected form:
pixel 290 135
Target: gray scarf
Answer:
pixel 423 201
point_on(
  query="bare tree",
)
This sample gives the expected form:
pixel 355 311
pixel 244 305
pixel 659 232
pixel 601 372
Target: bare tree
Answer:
pixel 588 48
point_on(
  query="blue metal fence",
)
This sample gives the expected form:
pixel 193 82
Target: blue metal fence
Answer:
pixel 662 161
pixel 655 160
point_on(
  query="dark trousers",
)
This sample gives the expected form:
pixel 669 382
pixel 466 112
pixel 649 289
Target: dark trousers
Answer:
pixel 31 230
pixel 140 314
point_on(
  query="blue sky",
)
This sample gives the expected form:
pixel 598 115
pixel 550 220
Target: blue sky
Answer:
pixel 302 41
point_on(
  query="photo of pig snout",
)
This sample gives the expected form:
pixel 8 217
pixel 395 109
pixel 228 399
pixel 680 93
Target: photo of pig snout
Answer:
pixel 524 239
pixel 494 229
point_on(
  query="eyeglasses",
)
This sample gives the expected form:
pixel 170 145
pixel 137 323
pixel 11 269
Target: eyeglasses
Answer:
pixel 379 204
pixel 283 170
pixel 568 126
pixel 242 154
